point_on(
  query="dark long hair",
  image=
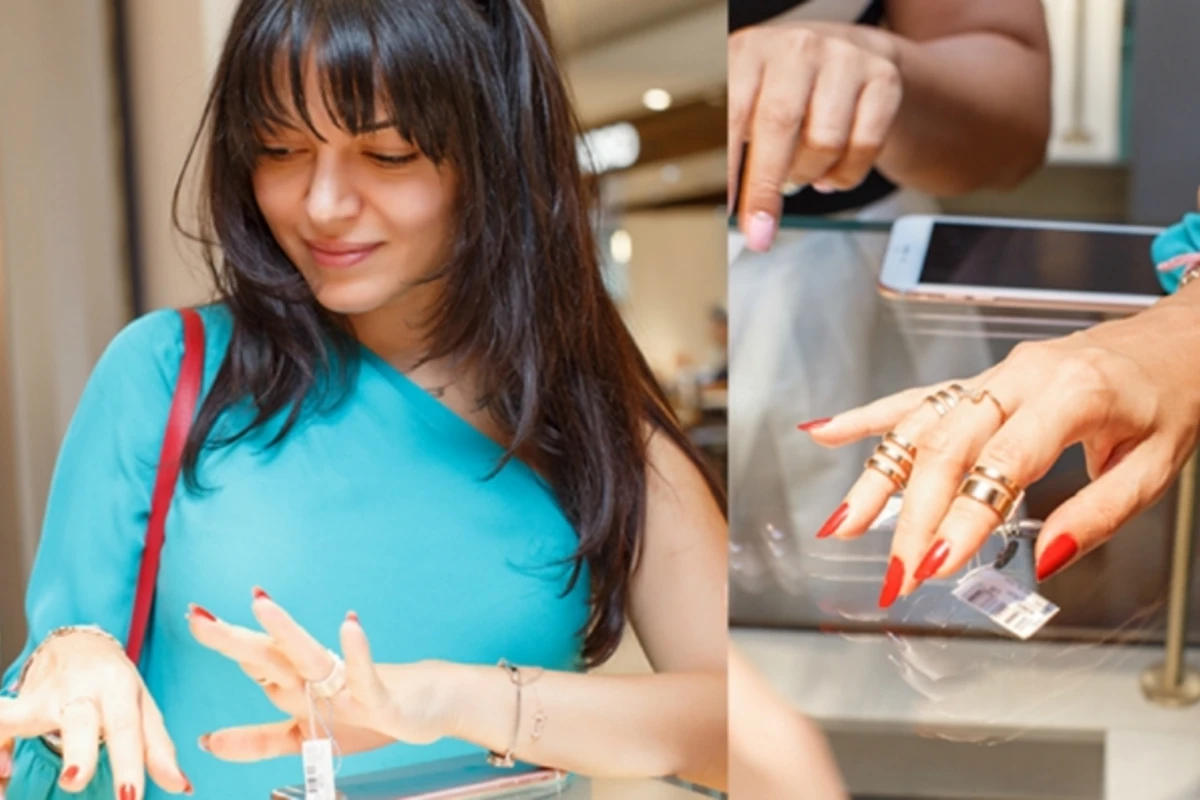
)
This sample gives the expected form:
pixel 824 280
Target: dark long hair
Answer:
pixel 473 83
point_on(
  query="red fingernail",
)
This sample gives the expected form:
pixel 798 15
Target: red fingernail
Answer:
pixel 187 785
pixel 70 774
pixel 1056 556
pixel 933 560
pixel 259 594
pixel 813 424
pixel 891 583
pixel 203 742
pixel 202 613
pixel 352 617
pixel 834 522
pixel 127 792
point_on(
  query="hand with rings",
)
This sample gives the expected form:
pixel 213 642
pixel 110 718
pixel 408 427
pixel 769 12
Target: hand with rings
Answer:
pixel 962 453
pixel 370 706
pixel 81 687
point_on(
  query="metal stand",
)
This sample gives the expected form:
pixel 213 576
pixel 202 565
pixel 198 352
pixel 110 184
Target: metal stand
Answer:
pixel 1172 683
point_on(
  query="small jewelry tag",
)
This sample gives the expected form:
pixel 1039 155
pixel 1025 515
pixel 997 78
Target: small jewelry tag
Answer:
pixel 1018 609
pixel 318 770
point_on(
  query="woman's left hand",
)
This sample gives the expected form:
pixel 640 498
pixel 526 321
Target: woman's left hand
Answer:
pixel 1129 391
pixel 378 706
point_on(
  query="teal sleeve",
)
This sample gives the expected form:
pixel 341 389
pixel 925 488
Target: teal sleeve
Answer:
pixel 85 571
pixel 1180 239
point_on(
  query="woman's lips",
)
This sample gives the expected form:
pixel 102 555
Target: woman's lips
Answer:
pixel 340 256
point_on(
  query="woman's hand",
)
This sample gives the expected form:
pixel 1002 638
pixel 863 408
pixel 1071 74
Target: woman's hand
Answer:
pixel 377 707
pixel 82 685
pixel 815 102
pixel 1129 391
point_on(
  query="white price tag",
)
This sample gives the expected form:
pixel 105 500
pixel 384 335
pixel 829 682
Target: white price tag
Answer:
pixel 318 770
pixel 1018 609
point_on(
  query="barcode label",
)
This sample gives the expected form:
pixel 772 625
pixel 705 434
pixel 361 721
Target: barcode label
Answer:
pixel 1014 607
pixel 318 770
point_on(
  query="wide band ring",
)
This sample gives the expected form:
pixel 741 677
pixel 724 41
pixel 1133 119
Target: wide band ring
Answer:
pixel 332 683
pixel 977 396
pixel 892 470
pixel 989 493
pixel 998 477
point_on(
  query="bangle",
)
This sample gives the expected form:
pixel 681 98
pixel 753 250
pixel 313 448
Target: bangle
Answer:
pixel 58 633
pixel 506 759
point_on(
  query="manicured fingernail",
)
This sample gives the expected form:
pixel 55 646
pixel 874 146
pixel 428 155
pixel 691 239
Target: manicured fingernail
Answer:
pixel 187 785
pixel 127 792
pixel 5 764
pixel 260 594
pixel 824 188
pixel 834 522
pixel 761 232
pixel 933 560
pixel 891 583
pixel 70 774
pixel 205 743
pixel 352 617
pixel 201 612
pixel 1055 557
pixel 813 424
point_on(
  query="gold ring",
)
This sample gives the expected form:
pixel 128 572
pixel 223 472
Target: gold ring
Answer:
pixel 899 441
pixel 901 458
pixel 996 496
pixel 890 470
pixel 977 396
pixel 943 400
pixel 997 476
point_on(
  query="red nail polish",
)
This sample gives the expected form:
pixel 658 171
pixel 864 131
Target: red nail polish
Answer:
pixel 352 617
pixel 259 594
pixel 813 424
pixel 202 613
pixel 834 522
pixel 187 786
pixel 70 774
pixel 203 743
pixel 127 792
pixel 933 560
pixel 1055 557
pixel 891 583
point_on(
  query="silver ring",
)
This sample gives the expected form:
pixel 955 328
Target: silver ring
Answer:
pixel 332 683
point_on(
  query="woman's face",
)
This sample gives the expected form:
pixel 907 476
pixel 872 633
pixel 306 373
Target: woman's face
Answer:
pixel 361 217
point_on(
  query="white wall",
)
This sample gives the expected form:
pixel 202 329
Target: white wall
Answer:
pixel 62 256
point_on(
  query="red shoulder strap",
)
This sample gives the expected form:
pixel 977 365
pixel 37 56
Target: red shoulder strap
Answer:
pixel 179 425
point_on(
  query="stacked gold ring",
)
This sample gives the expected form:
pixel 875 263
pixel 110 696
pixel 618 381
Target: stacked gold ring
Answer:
pixel 945 399
pixel 992 488
pixel 893 458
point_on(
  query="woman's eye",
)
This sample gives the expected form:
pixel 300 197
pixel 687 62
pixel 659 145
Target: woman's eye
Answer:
pixel 277 153
pixel 392 161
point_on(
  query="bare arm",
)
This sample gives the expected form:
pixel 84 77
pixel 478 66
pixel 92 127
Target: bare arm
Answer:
pixel 976 107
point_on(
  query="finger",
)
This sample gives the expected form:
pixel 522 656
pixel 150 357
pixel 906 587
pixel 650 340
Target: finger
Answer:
pixel 120 711
pixel 254 651
pixel 308 657
pixel 775 130
pixel 1024 449
pixel 255 742
pixel 826 130
pixel 946 450
pixel 6 753
pixel 745 73
pixel 80 743
pixel 880 416
pixel 362 679
pixel 22 718
pixel 1097 511
pixel 162 762
pixel 877 107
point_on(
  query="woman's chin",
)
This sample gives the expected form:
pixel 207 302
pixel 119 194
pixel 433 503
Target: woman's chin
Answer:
pixel 352 297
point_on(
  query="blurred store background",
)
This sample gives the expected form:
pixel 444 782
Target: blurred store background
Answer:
pixel 99 98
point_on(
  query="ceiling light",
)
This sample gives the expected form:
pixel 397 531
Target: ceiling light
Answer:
pixel 657 99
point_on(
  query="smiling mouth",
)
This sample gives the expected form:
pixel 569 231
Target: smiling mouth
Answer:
pixel 340 255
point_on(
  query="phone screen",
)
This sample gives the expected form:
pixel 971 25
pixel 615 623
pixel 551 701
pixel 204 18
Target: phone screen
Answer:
pixel 1036 258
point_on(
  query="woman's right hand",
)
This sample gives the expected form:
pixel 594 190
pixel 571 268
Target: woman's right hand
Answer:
pixel 82 685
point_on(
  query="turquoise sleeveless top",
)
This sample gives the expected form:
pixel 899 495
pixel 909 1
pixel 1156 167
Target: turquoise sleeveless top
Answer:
pixel 381 504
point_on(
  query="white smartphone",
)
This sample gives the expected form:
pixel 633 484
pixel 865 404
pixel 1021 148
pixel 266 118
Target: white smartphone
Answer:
pixel 1021 263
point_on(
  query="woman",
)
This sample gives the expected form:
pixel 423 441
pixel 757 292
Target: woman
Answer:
pixel 419 404
pixel 1127 390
